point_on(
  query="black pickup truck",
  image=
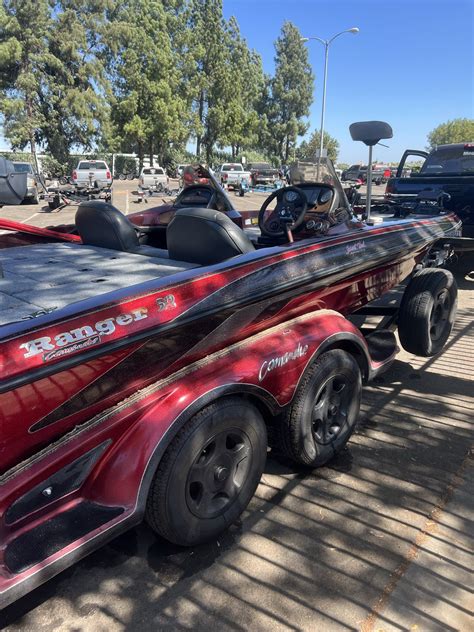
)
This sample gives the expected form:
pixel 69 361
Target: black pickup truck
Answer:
pixel 262 173
pixel 446 169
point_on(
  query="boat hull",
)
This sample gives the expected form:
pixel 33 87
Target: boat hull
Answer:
pixel 117 376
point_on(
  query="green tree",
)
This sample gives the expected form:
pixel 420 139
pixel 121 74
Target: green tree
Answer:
pixel 265 109
pixel 245 82
pixel 292 91
pixel 456 131
pixel 149 111
pixel 24 25
pixel 74 95
pixel 51 78
pixel 307 150
pixel 208 82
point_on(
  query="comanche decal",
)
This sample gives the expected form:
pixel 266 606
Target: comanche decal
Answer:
pixel 279 361
pixel 70 341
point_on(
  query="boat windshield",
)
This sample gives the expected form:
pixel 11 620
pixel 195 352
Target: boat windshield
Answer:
pixel 325 173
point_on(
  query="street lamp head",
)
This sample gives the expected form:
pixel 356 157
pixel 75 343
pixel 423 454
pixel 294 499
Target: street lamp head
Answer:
pixel 354 30
pixel 304 39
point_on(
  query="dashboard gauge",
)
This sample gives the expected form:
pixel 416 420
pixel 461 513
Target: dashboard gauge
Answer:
pixel 291 196
pixel 325 196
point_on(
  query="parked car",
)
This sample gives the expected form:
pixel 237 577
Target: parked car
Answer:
pixel 32 183
pixel 355 173
pixel 152 177
pixel 231 174
pixel 92 174
pixel 380 173
pixel 262 173
pixel 447 171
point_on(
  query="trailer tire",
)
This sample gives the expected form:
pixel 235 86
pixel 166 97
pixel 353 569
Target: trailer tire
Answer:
pixel 324 411
pixel 427 312
pixel 209 473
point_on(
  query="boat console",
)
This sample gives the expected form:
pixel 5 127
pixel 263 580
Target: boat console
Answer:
pixel 305 211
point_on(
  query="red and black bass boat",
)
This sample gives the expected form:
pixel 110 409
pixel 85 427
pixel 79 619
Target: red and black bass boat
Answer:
pixel 141 366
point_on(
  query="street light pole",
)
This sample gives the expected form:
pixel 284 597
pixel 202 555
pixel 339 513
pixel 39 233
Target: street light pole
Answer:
pixel 323 108
pixel 326 44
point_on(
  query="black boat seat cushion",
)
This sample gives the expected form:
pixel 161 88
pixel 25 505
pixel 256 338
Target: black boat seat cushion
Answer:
pixel 101 224
pixel 205 236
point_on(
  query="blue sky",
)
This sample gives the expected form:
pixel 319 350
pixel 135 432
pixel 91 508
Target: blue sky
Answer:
pixel 412 64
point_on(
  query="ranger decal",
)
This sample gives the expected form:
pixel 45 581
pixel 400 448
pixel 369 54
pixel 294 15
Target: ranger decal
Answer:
pixel 75 339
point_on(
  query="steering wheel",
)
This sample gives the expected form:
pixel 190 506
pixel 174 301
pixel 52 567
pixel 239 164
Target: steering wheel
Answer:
pixel 290 211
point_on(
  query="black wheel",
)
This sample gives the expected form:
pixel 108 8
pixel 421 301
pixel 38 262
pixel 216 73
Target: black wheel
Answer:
pixel 130 176
pixel 122 176
pixel 209 473
pixel 63 180
pixel 324 411
pixel 427 312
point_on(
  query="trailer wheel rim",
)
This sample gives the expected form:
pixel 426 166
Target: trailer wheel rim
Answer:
pixel 439 316
pixel 330 409
pixel 218 473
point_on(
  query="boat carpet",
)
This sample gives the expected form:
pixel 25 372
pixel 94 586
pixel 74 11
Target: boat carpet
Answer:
pixel 52 276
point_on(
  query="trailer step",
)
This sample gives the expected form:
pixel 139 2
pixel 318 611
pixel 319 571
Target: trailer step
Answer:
pixel 382 345
pixel 55 534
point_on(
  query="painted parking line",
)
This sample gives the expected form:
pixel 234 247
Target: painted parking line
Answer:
pixel 31 217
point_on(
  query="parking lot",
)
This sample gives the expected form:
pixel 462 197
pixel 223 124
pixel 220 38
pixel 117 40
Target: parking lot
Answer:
pixel 377 540
pixel 124 198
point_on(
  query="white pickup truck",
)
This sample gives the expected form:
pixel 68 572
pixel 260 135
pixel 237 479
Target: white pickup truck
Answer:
pixel 231 174
pixel 92 174
pixel 151 177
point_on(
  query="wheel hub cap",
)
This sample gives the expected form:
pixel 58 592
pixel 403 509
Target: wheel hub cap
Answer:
pixel 218 473
pixel 439 314
pixel 330 409
pixel 221 473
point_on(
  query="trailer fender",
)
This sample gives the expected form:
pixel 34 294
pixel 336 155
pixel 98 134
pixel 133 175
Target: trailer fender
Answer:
pixel 267 368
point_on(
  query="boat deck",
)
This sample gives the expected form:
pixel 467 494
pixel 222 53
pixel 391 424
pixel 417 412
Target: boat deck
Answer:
pixel 51 276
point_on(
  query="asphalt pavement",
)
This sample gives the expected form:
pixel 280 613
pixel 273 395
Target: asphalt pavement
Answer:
pixel 379 540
